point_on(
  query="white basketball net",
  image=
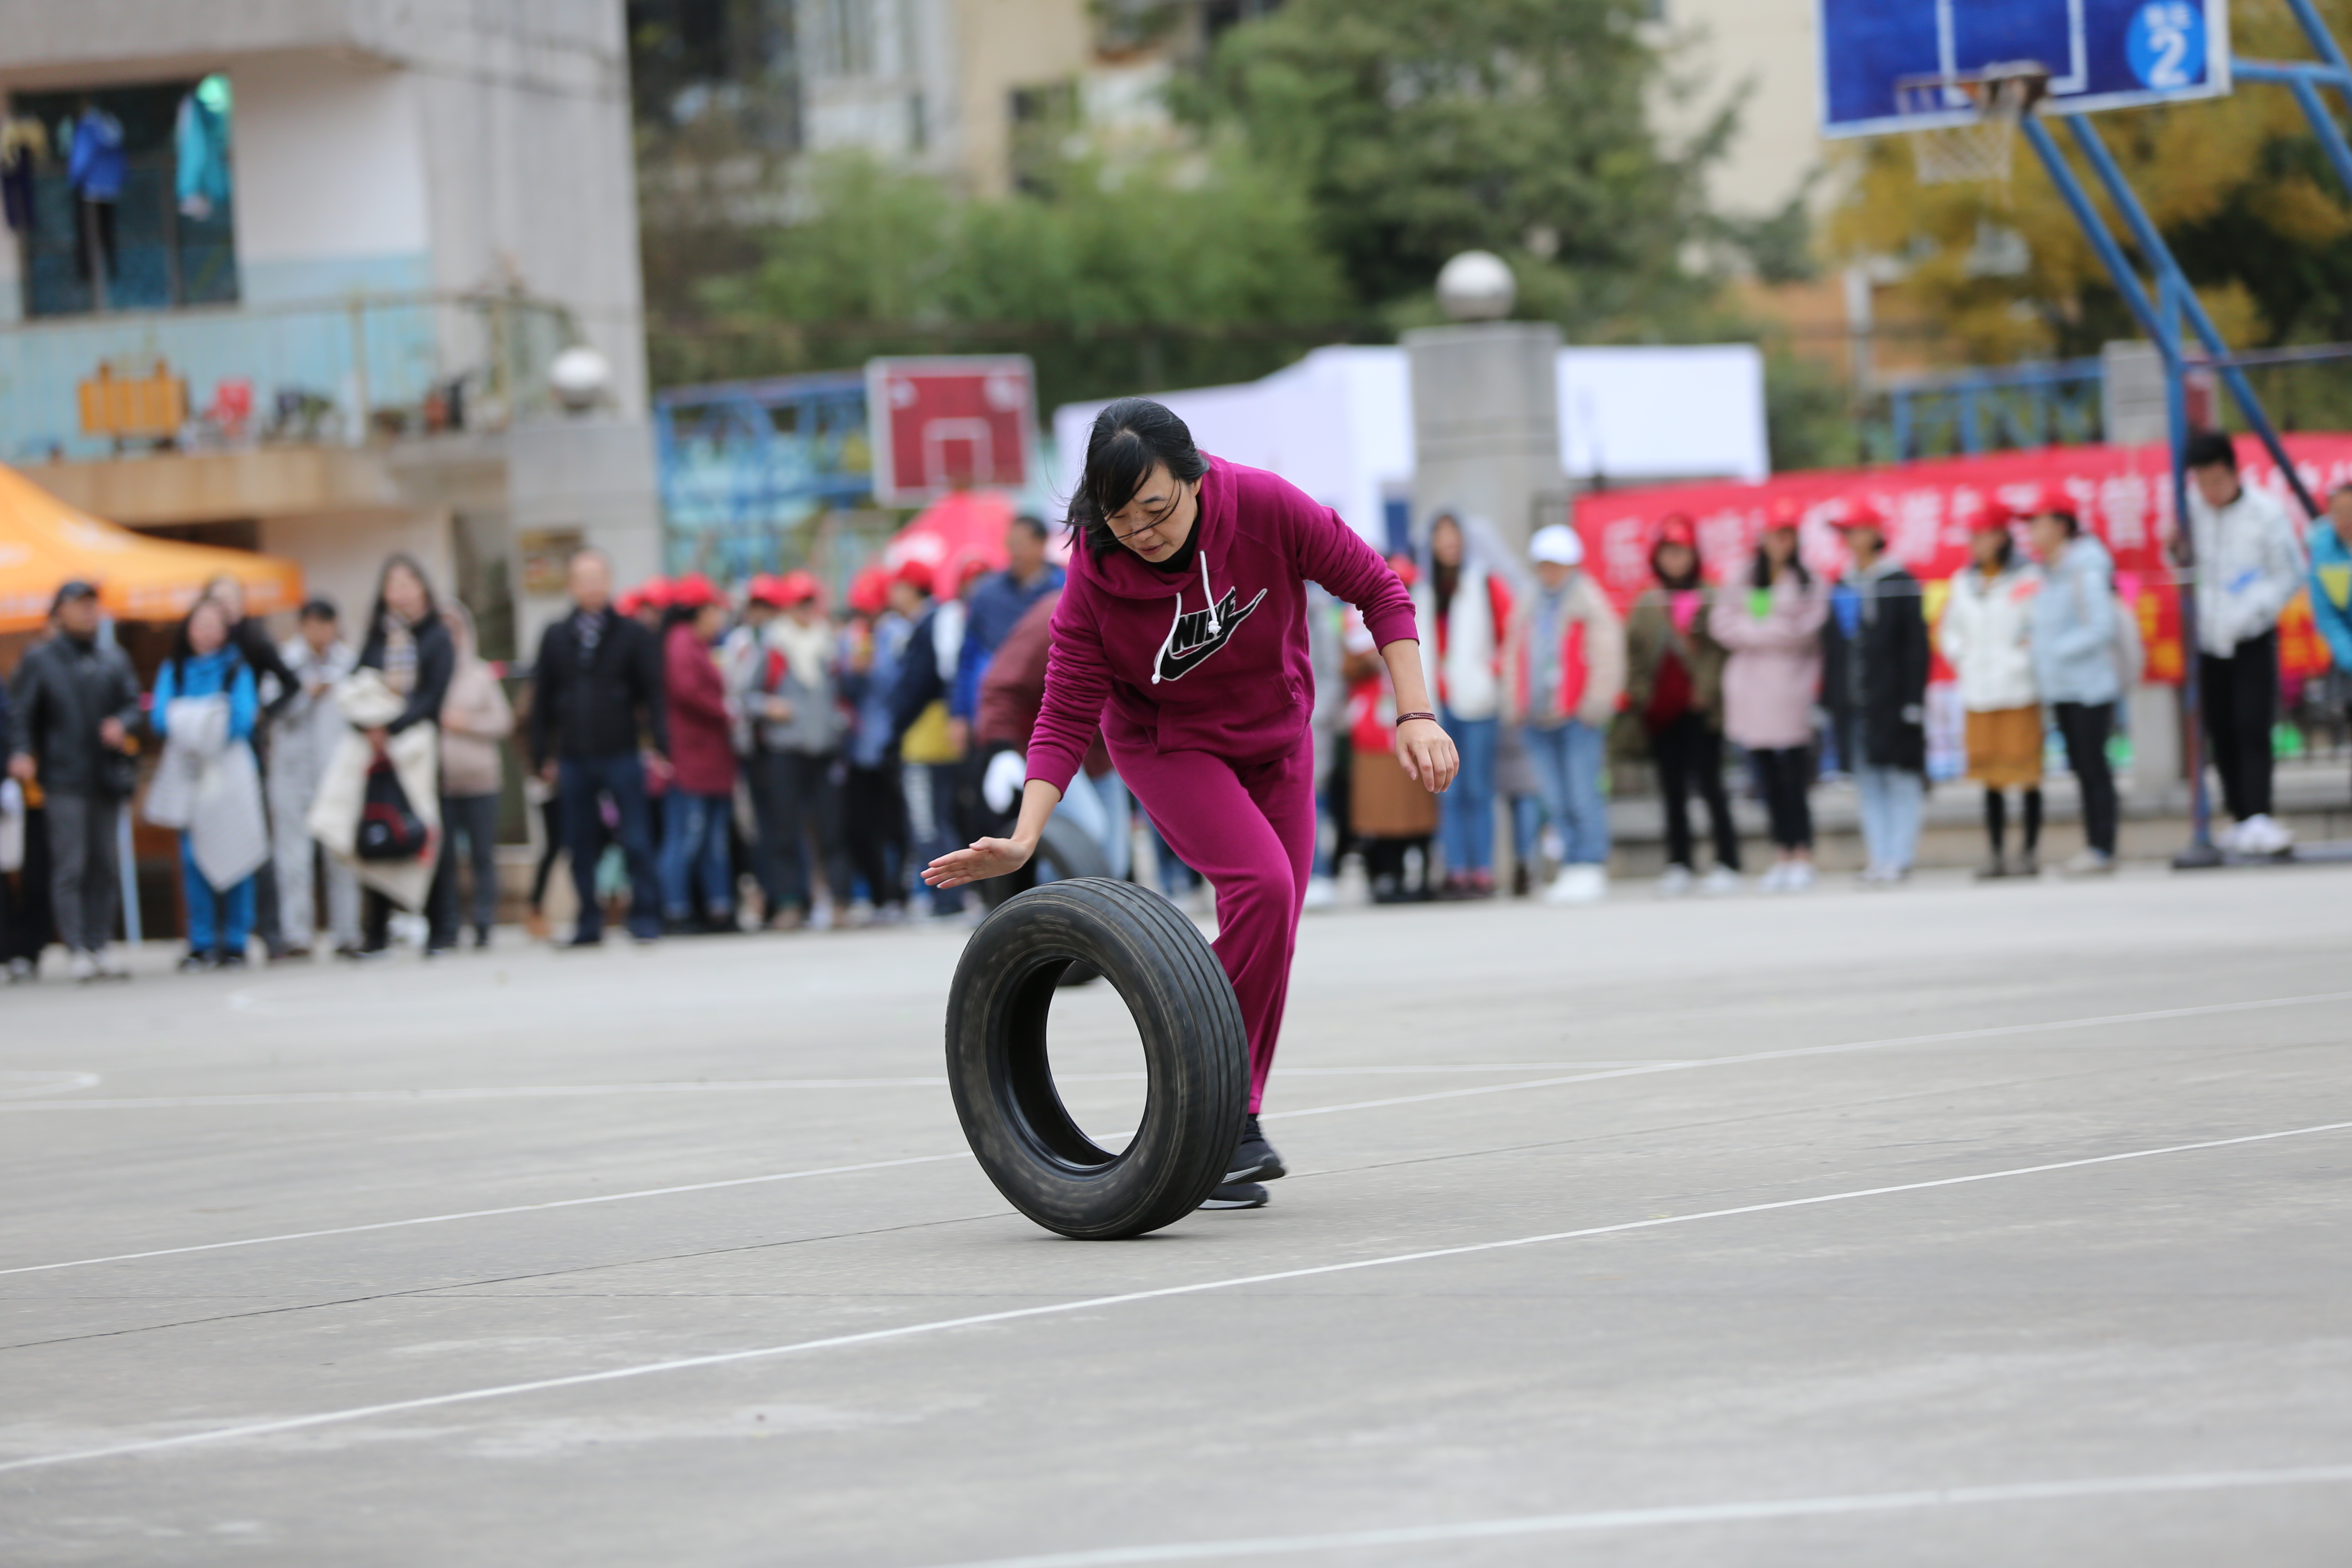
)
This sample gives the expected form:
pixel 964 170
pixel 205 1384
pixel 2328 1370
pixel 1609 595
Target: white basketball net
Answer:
pixel 1981 149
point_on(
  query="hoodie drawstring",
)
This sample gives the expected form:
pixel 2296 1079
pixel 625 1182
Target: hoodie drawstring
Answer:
pixel 1217 625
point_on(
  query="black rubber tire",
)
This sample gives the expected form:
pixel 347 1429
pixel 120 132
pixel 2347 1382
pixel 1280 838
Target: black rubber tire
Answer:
pixel 1196 1058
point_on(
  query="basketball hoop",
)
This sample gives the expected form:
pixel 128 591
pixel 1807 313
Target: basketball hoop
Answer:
pixel 1970 134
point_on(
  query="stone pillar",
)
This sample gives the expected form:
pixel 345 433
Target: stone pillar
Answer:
pixel 1486 425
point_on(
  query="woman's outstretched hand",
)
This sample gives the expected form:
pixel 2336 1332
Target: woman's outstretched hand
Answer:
pixel 1428 754
pixel 987 857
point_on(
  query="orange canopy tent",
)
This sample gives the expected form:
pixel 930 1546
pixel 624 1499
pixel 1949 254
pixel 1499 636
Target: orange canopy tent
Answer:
pixel 44 543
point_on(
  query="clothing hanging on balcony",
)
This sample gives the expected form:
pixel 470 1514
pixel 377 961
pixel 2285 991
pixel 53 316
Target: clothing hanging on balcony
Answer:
pixel 95 166
pixel 24 142
pixel 200 143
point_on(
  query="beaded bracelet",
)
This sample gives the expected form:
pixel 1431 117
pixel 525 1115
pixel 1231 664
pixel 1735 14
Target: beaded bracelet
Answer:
pixel 1402 717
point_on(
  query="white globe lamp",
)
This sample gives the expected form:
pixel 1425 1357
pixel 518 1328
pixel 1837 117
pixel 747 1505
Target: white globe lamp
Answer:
pixel 580 377
pixel 1477 286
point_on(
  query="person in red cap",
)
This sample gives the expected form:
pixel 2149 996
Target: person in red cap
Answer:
pixel 1875 676
pixel 1773 631
pixel 697 875
pixel 1674 691
pixel 874 807
pixel 798 722
pixel 1987 637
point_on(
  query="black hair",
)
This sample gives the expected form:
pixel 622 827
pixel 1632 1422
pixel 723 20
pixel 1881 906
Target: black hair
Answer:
pixel 184 647
pixel 416 569
pixel 2008 550
pixel 1034 523
pixel 1761 574
pixel 320 608
pixel 68 592
pixel 2208 448
pixel 1128 439
pixel 2074 524
pixel 1692 579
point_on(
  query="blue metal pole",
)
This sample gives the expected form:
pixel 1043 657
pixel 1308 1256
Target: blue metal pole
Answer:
pixel 2201 851
pixel 2305 85
pixel 2159 257
pixel 2094 230
pixel 2323 41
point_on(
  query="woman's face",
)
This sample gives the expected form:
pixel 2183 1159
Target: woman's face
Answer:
pixel 709 621
pixel 404 593
pixel 1984 546
pixel 2049 535
pixel 1159 517
pixel 207 628
pixel 1445 542
pixel 1779 545
pixel 1677 561
pixel 229 594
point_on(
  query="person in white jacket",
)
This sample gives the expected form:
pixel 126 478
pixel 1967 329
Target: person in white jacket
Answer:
pixel 2249 564
pixel 1986 636
pixel 308 729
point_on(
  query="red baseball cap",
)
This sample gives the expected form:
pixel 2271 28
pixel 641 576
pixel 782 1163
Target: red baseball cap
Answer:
pixel 869 591
pixel 1675 529
pixel 1860 514
pixel 914 573
pixel 1784 513
pixel 692 592
pixel 795 588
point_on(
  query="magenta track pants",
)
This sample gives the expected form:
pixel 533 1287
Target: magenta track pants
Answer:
pixel 1250 830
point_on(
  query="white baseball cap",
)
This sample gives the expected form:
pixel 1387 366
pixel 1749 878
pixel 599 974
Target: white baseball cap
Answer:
pixel 1557 542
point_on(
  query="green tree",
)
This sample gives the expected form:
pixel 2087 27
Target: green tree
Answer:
pixel 1516 126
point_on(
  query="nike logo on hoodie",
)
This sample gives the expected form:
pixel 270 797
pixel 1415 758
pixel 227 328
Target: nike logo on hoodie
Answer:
pixel 1192 636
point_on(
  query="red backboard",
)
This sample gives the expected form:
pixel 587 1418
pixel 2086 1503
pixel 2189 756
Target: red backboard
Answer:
pixel 956 422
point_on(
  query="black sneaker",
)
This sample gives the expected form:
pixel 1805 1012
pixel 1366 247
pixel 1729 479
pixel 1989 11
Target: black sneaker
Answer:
pixel 194 963
pixel 1254 1159
pixel 1236 1195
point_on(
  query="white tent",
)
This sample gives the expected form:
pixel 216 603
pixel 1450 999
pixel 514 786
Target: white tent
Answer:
pixel 1338 423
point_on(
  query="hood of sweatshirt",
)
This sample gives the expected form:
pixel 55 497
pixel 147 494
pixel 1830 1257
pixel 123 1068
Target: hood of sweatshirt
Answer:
pixel 1201 616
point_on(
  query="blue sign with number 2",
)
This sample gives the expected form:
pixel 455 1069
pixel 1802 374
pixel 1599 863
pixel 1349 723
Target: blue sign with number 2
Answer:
pixel 2166 45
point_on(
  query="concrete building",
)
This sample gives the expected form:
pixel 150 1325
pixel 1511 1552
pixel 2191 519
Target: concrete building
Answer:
pixel 422 203
pixel 1770 50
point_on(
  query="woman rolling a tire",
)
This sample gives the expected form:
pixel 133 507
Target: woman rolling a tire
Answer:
pixel 1182 632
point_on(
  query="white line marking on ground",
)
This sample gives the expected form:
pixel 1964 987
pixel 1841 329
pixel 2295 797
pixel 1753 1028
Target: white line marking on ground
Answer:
pixel 1094 1303
pixel 1688 1514
pixel 1797 1052
pixel 699 1085
pixel 25 1085
pixel 1272 1115
pixel 487 1213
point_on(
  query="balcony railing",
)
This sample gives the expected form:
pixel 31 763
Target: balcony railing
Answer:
pixel 364 367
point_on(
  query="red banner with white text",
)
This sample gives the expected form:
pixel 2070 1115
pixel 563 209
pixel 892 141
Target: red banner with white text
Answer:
pixel 2122 493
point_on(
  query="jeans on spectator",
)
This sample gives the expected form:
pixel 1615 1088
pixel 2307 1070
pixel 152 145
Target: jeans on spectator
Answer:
pixel 1784 776
pixel 1567 759
pixel 2240 695
pixel 1893 800
pixel 1689 754
pixel 578 781
pixel 2084 727
pixel 84 870
pixel 693 855
pixel 220 920
pixel 800 821
pixel 474 819
pixel 1465 812
pixel 929 789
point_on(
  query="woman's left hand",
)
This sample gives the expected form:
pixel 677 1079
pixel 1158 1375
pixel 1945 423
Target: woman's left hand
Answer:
pixel 1427 752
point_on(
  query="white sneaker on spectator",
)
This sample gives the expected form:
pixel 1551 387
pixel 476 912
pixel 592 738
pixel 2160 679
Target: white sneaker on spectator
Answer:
pixel 1578 884
pixel 111 965
pixel 81 968
pixel 2087 863
pixel 1719 880
pixel 2260 835
pixel 2226 838
pixel 1775 878
pixel 1675 882
pixel 1798 877
pixel 1322 894
pixel 22 971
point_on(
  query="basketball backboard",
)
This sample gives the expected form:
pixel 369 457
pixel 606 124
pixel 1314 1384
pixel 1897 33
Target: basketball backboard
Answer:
pixel 1881 58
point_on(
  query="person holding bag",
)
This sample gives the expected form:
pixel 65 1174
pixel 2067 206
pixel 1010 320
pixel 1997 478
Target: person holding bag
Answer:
pixel 413 657
pixel 209 785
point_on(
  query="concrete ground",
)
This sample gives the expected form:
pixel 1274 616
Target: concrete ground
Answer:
pixel 1955 1225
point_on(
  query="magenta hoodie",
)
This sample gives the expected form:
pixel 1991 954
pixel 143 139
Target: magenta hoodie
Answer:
pixel 1215 660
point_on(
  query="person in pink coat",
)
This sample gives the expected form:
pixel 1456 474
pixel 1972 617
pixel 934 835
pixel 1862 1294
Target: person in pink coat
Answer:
pixel 1769 683
pixel 699 806
pixel 1182 632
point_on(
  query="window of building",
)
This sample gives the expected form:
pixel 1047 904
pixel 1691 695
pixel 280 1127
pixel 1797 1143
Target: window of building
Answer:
pixel 122 198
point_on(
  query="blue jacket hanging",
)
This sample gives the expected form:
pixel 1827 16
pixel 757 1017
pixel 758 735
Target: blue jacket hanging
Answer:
pixel 94 167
